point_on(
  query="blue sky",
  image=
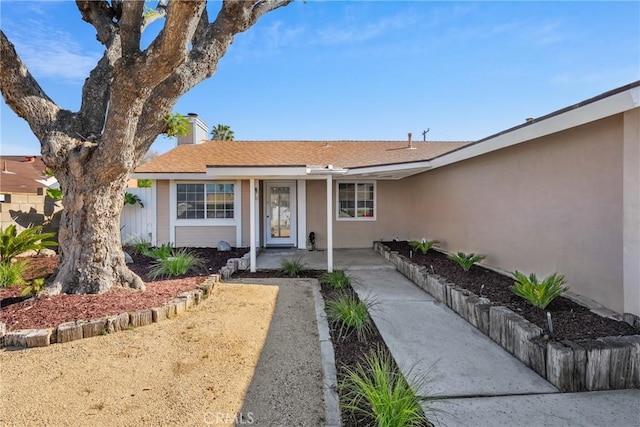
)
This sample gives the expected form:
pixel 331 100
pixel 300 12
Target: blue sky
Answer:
pixel 364 70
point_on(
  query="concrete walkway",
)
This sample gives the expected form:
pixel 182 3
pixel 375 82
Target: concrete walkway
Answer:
pixel 480 384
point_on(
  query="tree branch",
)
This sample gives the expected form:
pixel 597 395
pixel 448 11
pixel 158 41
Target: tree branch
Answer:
pixel 159 12
pixel 21 91
pixel 100 15
pixel 171 46
pixel 131 27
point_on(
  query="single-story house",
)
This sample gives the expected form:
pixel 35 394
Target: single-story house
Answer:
pixel 558 193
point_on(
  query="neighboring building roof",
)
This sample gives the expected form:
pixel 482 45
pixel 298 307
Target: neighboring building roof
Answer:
pixel 341 154
pixel 19 174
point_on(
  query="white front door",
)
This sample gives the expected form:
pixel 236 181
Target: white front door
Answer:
pixel 280 211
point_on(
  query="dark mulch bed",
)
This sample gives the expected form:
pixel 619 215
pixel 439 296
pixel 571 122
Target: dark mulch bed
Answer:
pixel 348 349
pixel 571 321
pixel 44 312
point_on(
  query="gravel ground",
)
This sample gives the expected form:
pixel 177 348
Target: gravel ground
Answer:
pixel 221 361
pixel 286 389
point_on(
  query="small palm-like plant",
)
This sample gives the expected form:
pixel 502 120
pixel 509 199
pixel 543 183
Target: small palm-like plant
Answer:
pixel 336 279
pixel 180 262
pixel 292 267
pixel 13 243
pixel 539 294
pixel 424 245
pixel 376 388
pixel 349 314
pixel 12 273
pixel 466 260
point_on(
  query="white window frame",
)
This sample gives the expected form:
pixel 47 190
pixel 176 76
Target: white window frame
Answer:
pixel 237 203
pixel 356 218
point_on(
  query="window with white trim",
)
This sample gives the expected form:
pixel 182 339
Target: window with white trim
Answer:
pixel 200 200
pixel 356 200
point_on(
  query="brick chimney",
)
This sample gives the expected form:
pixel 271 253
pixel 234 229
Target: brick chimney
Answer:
pixel 198 131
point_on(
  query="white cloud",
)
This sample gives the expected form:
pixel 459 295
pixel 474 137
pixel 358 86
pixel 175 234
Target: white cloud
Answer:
pixel 53 53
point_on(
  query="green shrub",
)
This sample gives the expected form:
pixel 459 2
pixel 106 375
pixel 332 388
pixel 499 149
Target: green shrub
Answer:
pixel 466 261
pixel 12 273
pixel 33 288
pixel 132 199
pixel 336 279
pixel 292 267
pixel 13 243
pixel 424 245
pixel 349 314
pixel 163 251
pixel 377 389
pixel 539 294
pixel 181 262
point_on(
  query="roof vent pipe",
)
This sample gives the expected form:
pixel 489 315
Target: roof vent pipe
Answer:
pixel 410 144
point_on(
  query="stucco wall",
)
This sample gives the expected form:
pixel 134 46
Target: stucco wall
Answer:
pixel 163 209
pixel 27 209
pixel 631 222
pixel 204 236
pixel 549 205
pixel 392 216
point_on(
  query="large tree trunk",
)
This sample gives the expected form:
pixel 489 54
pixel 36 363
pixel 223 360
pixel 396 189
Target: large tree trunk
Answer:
pixel 91 259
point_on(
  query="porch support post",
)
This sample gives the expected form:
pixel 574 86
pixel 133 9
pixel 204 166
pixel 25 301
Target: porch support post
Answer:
pixel 329 223
pixel 252 224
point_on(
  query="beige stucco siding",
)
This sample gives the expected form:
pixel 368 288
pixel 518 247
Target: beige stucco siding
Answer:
pixel 162 210
pixel 392 216
pixel 631 221
pixel 547 205
pixel 204 236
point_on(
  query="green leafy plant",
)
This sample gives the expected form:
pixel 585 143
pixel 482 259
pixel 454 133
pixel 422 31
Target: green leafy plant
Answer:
pixel 33 288
pixel 138 245
pixel 336 279
pixel 292 267
pixel 349 314
pixel 180 262
pixel 13 243
pixel 377 389
pixel 176 125
pixel 132 199
pixel 466 260
pixel 163 251
pixel 144 183
pixel 55 194
pixel 424 245
pixel 12 273
pixel 222 133
pixel 539 294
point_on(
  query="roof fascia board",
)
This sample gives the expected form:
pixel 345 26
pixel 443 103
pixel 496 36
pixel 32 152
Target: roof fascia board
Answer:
pixel 169 175
pixel 615 104
pixel 256 172
pixel 398 167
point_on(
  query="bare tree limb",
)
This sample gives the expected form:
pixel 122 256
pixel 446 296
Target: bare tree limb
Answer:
pixel 131 27
pixel 171 46
pixel 159 12
pixel 21 91
pixel 100 15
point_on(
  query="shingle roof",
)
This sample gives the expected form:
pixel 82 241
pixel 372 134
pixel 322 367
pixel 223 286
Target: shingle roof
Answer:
pixel 18 175
pixel 340 154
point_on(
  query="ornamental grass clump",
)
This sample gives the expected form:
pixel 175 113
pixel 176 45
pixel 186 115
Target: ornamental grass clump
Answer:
pixel 377 389
pixel 424 245
pixel 336 279
pixel 350 315
pixel 180 262
pixel 466 260
pixel 12 273
pixel 163 251
pixel 292 267
pixel 539 294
